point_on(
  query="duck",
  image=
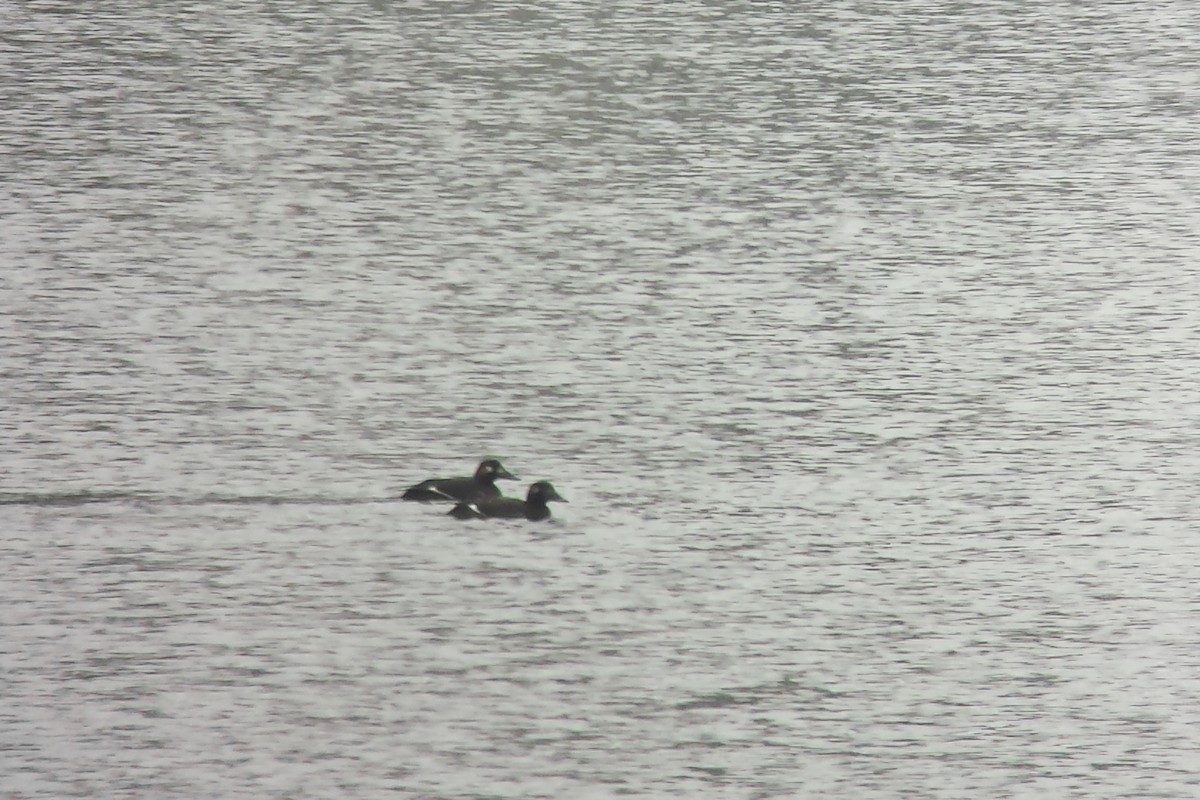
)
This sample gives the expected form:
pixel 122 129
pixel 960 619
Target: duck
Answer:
pixel 462 490
pixel 533 507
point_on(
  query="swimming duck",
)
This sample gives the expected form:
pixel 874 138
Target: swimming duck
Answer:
pixel 464 490
pixel 533 507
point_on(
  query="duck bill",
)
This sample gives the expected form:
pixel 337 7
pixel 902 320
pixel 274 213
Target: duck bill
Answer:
pixel 503 473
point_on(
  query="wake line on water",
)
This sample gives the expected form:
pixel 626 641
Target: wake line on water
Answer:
pixel 71 499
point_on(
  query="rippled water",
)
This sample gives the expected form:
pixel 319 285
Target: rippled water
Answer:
pixel 860 337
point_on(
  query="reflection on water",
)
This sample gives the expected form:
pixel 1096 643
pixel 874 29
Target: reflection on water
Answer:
pixel 861 343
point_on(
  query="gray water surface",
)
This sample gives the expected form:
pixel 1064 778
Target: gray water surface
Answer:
pixel 861 339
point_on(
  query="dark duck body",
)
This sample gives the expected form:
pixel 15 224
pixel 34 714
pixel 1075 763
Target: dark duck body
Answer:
pixel 463 490
pixel 533 507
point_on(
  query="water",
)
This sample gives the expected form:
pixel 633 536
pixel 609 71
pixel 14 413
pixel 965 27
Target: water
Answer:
pixel 860 339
